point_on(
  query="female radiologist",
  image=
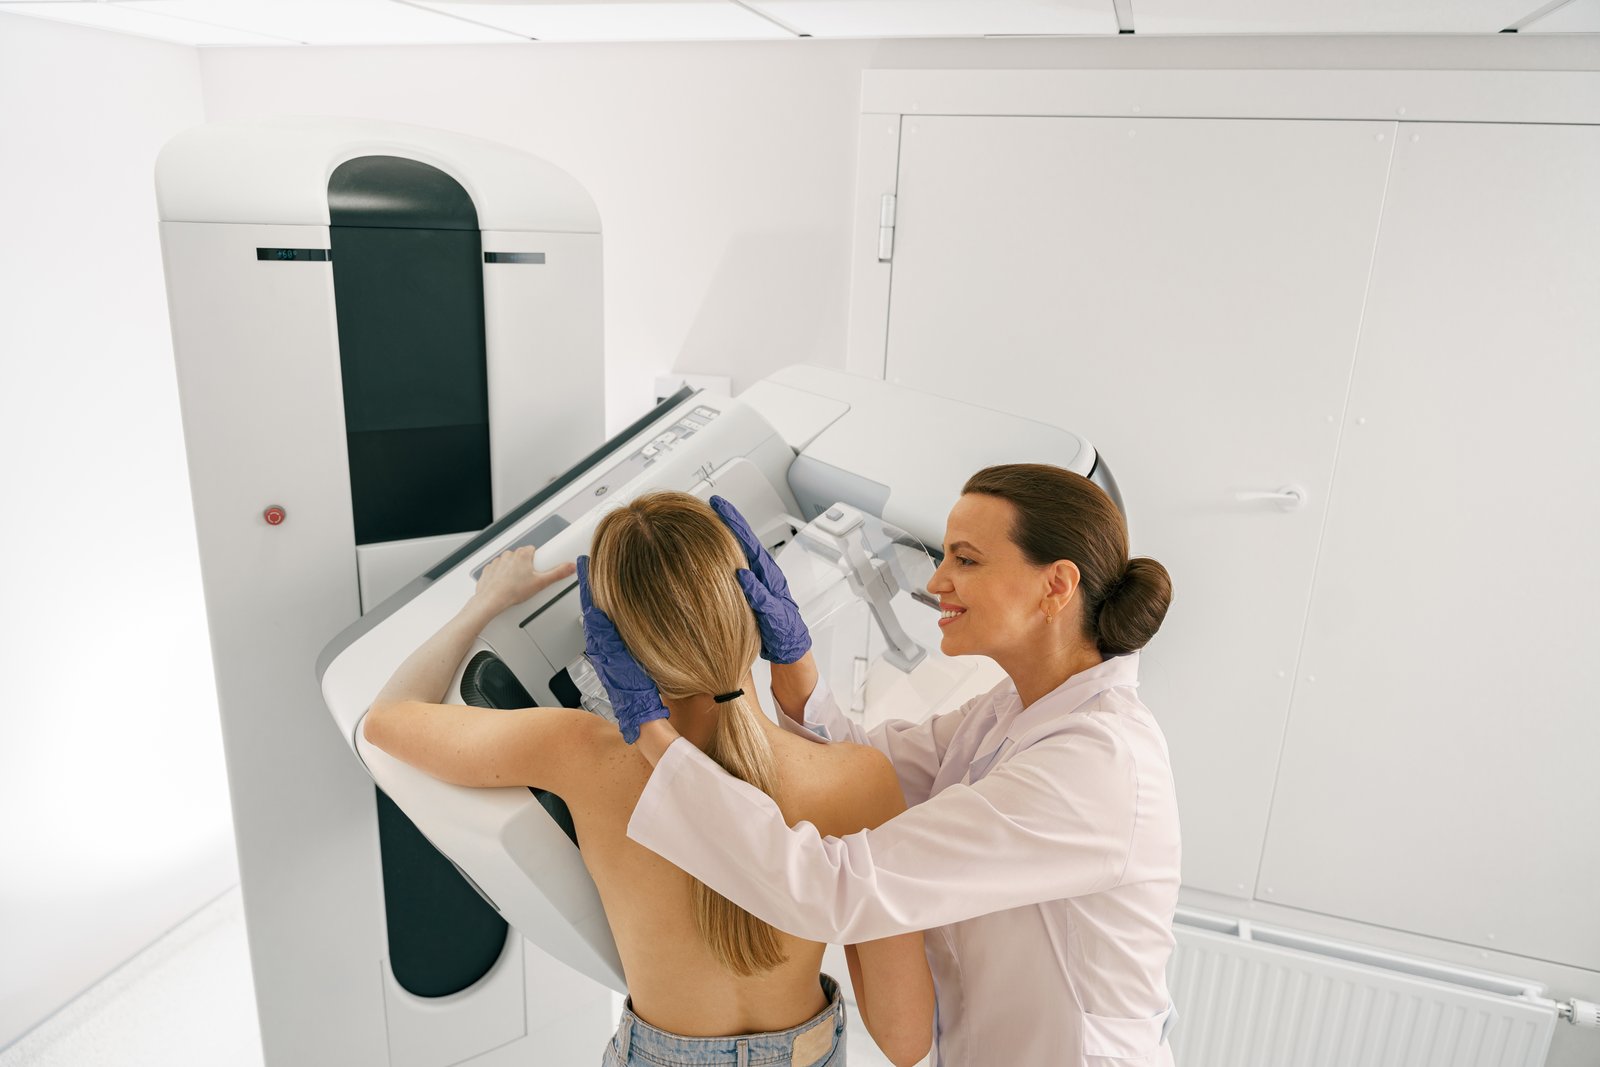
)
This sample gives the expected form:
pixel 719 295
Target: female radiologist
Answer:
pixel 1040 850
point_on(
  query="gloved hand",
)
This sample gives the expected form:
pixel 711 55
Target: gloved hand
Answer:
pixel 633 693
pixel 784 637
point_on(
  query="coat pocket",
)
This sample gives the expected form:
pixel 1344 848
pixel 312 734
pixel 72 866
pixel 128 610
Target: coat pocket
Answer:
pixel 1122 1039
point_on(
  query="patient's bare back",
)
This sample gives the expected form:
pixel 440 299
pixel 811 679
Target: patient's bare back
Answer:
pixel 676 982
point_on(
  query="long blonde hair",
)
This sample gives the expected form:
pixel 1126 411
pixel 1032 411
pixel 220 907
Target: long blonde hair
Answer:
pixel 662 567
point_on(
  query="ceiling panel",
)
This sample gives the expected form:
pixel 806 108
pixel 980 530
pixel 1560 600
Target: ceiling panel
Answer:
pixel 640 20
pixel 1579 16
pixel 381 22
pixel 941 18
pixel 141 23
pixel 1327 16
pixel 328 21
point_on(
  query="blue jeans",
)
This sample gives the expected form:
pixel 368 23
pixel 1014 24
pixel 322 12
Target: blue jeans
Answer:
pixel 817 1042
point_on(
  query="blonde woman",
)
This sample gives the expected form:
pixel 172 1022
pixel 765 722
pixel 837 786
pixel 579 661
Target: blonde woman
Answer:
pixel 709 984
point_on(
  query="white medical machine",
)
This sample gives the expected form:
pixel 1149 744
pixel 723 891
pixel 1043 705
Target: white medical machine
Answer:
pixel 386 339
pixel 389 357
pixel 851 477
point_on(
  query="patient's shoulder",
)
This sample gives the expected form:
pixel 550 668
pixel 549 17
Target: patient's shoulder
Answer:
pixel 843 787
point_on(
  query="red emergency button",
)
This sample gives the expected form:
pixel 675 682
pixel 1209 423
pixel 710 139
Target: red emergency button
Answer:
pixel 274 515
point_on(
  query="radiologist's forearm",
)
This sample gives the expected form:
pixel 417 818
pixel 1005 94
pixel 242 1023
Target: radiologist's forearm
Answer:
pixel 793 684
pixel 425 675
pixel 655 737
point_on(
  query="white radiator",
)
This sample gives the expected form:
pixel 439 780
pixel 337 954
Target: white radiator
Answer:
pixel 1265 997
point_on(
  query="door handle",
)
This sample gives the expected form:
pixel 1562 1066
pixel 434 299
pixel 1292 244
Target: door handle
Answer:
pixel 1288 497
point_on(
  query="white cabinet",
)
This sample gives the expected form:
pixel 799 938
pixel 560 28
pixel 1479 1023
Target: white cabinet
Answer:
pixel 1380 704
pixel 1437 770
pixel 1186 294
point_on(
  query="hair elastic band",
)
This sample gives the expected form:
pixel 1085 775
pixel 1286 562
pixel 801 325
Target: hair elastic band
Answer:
pixel 723 698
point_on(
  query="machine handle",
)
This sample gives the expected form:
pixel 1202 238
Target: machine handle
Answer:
pixel 1288 497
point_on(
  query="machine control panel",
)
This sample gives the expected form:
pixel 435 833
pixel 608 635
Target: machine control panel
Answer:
pixel 614 477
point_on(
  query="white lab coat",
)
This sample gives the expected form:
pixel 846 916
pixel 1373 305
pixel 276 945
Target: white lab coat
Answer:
pixel 1040 854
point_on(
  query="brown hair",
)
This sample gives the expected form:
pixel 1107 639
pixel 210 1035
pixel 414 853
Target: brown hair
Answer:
pixel 1062 515
pixel 663 569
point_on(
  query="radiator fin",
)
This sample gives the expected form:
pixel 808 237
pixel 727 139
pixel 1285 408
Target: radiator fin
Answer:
pixel 1250 1004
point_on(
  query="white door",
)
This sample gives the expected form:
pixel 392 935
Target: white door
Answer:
pixel 1451 728
pixel 1187 295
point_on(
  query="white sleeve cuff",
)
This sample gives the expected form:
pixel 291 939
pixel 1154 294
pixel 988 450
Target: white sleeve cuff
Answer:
pixel 816 727
pixel 811 731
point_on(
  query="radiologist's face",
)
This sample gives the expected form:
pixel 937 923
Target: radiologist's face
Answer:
pixel 990 596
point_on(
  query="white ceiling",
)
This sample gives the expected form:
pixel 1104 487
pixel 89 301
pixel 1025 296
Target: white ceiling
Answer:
pixel 380 22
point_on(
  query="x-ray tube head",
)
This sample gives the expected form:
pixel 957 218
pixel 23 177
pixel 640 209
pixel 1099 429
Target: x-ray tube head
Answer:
pixel 866 549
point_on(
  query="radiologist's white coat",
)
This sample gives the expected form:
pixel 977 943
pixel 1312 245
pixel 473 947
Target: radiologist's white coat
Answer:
pixel 1040 853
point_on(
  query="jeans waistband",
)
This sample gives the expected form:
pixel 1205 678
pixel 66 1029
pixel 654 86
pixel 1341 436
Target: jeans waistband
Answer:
pixel 812 1042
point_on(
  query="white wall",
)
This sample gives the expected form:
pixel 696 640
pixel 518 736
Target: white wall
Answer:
pixel 724 172
pixel 113 802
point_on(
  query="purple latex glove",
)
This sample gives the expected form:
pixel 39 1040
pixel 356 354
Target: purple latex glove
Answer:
pixel 633 693
pixel 784 637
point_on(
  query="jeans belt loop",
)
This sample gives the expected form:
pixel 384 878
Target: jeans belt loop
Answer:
pixel 625 1039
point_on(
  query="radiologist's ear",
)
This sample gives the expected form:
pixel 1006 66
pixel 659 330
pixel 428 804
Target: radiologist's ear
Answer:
pixel 1062 579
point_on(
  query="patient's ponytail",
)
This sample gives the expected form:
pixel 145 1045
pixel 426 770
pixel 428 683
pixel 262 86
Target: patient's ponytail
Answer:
pixel 662 567
pixel 743 943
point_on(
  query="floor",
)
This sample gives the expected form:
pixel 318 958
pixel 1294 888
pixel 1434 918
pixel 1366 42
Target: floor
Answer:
pixel 187 1001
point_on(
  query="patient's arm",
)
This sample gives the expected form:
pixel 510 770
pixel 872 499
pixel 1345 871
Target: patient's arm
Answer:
pixel 477 746
pixel 553 748
pixel 509 579
pixel 893 986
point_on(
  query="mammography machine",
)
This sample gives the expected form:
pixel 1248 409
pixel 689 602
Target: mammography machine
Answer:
pixel 389 357
pixel 851 477
pixel 386 337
